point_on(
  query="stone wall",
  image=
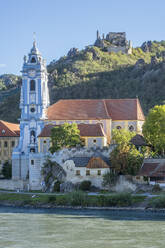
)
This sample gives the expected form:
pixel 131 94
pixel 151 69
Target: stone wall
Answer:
pixel 65 154
pixel 12 184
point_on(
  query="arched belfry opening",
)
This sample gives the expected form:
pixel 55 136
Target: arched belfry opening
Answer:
pixel 33 60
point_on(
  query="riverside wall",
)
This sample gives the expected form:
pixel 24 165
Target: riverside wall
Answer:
pixel 12 184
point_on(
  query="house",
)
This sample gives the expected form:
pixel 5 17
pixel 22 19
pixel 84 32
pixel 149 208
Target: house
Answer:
pixel 91 134
pixel 9 138
pixel 152 171
pixel 92 168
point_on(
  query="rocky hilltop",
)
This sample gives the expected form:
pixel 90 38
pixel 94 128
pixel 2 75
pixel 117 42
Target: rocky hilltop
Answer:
pixel 97 73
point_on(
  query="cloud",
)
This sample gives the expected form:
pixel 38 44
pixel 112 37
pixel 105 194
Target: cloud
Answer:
pixel 2 65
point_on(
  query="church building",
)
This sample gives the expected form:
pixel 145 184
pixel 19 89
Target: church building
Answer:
pixel 95 118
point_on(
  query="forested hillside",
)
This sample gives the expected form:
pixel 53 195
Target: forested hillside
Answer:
pixel 95 73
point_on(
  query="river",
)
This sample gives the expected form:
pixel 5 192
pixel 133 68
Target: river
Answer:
pixel 62 228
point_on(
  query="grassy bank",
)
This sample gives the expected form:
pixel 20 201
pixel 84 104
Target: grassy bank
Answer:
pixel 72 199
pixel 157 202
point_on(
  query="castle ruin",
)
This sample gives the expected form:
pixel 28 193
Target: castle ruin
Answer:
pixel 114 42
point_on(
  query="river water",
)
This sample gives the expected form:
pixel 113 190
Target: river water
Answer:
pixel 31 228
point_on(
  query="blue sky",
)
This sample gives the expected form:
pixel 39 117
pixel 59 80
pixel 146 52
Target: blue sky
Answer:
pixel 62 24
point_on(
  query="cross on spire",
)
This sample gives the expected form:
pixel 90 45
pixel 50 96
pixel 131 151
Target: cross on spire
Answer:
pixel 34 37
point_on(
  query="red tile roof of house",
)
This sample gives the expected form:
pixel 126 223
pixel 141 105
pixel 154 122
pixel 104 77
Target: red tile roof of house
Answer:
pixel 8 129
pixel 88 109
pixel 159 171
pixel 152 169
pixel 147 169
pixel 86 130
pixel 91 130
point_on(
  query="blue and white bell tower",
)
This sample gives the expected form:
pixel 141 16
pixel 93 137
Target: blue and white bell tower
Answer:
pixel 34 101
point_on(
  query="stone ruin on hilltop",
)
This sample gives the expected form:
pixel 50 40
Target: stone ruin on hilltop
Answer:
pixel 114 42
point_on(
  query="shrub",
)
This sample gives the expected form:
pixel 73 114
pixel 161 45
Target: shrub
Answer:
pixel 77 198
pixel 7 170
pixel 52 199
pixel 85 185
pixel 157 202
pixel 57 186
pixel 109 179
pixel 117 200
pixel 62 200
pixel 156 188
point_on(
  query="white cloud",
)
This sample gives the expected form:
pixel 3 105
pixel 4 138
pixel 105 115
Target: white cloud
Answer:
pixel 2 65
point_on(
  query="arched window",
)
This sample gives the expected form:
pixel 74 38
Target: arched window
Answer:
pixel 131 128
pixel 33 60
pixel 32 85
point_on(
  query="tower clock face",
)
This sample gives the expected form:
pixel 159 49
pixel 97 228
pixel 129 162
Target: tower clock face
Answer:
pixel 32 73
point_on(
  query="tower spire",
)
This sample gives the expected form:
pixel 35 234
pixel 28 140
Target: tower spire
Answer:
pixel 34 38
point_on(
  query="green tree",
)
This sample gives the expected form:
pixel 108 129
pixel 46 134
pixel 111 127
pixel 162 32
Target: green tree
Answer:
pixel 122 136
pixel 154 128
pixel 64 136
pixel 7 170
pixel 125 158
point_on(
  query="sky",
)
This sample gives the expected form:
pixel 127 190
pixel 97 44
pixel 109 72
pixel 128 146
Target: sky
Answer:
pixel 62 24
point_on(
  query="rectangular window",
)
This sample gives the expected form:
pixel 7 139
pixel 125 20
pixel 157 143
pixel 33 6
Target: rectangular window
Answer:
pixel 77 172
pixel 99 172
pixel 13 143
pixel 32 162
pixel 87 172
pixel 5 144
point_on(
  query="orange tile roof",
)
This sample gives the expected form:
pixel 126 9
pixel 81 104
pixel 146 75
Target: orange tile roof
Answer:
pixel 91 130
pixel 124 109
pixel 90 109
pixel 77 110
pixel 86 130
pixel 8 129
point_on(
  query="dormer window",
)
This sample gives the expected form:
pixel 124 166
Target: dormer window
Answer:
pixel 33 60
pixel 32 85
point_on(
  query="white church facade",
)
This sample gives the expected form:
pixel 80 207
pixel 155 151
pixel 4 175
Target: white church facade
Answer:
pixel 95 119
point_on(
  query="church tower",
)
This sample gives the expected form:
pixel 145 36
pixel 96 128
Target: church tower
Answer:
pixel 34 101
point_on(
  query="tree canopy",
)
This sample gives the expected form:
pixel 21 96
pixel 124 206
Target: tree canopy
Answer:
pixel 64 136
pixel 122 136
pixel 125 158
pixel 154 128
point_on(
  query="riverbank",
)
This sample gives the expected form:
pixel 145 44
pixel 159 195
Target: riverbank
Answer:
pixel 78 200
